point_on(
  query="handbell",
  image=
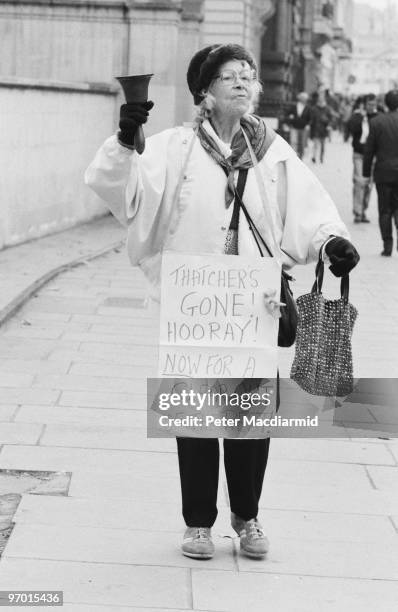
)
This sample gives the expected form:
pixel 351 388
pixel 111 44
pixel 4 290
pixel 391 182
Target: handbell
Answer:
pixel 135 89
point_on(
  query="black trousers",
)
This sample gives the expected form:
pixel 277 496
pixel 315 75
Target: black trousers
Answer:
pixel 387 195
pixel 245 462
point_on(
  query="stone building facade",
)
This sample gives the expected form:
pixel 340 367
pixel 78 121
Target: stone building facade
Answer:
pixel 306 44
pixel 375 49
pixel 60 100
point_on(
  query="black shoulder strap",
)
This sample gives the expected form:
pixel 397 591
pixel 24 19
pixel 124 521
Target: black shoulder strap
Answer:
pixel 240 187
pixel 256 234
pixel 238 204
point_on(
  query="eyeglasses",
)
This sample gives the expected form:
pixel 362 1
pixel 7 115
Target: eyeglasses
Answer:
pixel 230 77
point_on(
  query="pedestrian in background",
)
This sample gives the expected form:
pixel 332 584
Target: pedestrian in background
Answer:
pixel 298 120
pixel 226 143
pixel 365 110
pixel 320 126
pixel 382 145
pixel 345 111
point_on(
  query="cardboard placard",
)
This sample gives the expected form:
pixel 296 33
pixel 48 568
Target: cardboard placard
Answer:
pixel 213 321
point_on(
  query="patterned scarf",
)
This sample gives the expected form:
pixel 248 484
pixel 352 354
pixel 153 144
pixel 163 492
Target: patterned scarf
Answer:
pixel 240 157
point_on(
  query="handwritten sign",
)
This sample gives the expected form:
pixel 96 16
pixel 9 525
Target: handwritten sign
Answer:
pixel 213 321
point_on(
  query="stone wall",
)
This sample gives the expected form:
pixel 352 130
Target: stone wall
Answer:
pixel 50 131
pixel 59 98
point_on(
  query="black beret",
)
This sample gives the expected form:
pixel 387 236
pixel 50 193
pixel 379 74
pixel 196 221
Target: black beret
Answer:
pixel 204 65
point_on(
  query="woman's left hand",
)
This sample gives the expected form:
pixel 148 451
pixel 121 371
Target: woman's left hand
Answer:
pixel 272 304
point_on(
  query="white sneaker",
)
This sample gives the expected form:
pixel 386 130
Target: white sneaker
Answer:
pixel 253 541
pixel 197 543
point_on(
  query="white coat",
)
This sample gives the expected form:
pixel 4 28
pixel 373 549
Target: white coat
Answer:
pixel 141 192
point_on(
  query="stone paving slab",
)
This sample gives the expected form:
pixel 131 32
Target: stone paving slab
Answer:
pixel 118 438
pixel 330 499
pixel 10 379
pixel 107 512
pixel 108 370
pixel 146 354
pixel 129 323
pixel 337 558
pixel 79 416
pixel 92 353
pixel 394 451
pixel 134 486
pixel 24 396
pixel 109 338
pixel 104 545
pixel 75 459
pixel 92 399
pixel 310 473
pixel 339 451
pixel 101 583
pixel 64 305
pixel 89 383
pixel 384 478
pixel 7 412
pixel 32 348
pixel 20 433
pixel 33 366
pixel 115 513
pixel 257 592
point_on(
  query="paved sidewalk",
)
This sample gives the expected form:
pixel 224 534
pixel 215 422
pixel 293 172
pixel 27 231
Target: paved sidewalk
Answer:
pixel 73 364
pixel 26 267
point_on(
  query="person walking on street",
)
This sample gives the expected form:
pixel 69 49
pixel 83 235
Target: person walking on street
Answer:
pixel 382 145
pixel 298 119
pixel 365 109
pixel 321 118
pixel 345 112
pixel 226 142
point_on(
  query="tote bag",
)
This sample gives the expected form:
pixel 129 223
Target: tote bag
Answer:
pixel 323 357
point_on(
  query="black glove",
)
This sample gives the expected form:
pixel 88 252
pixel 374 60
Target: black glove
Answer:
pixel 343 256
pixel 131 116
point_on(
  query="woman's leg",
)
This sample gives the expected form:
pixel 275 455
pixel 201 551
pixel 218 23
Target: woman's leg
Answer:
pixel 322 146
pixel 245 462
pixel 198 460
pixel 314 149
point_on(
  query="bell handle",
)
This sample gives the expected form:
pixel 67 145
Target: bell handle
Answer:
pixel 139 140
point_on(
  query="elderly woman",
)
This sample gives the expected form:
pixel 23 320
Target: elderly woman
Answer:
pixel 178 195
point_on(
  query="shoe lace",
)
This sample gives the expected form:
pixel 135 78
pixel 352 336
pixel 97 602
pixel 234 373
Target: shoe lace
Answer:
pixel 254 529
pixel 202 534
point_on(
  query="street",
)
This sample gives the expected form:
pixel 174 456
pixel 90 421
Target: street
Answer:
pixel 73 367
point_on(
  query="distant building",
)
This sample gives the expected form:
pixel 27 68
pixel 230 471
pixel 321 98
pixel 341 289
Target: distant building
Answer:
pixel 306 44
pixel 374 65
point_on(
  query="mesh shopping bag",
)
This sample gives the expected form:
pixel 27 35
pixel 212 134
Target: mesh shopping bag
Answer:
pixel 323 358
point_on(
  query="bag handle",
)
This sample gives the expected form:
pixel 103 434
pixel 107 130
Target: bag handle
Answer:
pixel 319 273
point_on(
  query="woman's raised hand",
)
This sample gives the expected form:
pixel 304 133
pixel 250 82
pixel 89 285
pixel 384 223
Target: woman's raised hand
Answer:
pixel 132 115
